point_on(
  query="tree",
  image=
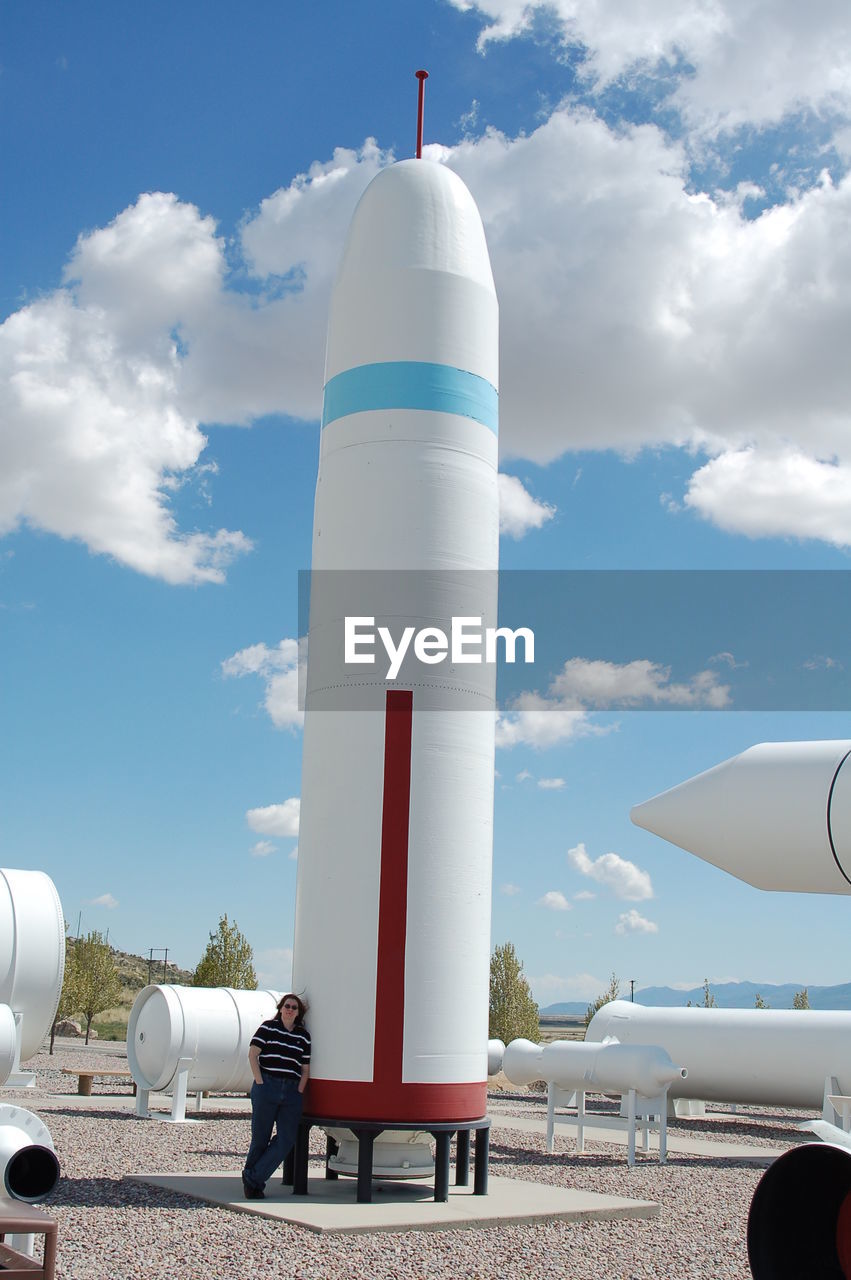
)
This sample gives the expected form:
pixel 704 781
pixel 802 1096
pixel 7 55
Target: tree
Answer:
pixel 801 999
pixel 96 984
pixel 228 960
pixel 513 1013
pixel 68 1000
pixel 708 1001
pixel 612 992
pixel 759 1003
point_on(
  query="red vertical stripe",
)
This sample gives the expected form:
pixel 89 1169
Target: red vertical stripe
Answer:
pixel 393 891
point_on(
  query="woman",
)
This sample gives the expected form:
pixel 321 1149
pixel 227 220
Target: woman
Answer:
pixel 279 1056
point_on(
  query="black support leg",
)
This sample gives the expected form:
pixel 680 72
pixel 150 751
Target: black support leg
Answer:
pixel 366 1139
pixel 441 1166
pixel 302 1156
pixel 480 1162
pixel 331 1175
pixel 462 1158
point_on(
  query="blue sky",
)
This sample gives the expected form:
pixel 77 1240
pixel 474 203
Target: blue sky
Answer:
pixel 666 196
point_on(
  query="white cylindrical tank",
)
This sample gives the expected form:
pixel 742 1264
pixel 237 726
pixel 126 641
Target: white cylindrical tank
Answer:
pixel 609 1068
pixel 29 1169
pixel 392 929
pixel 212 1026
pixel 496 1053
pixel 7 1043
pixel 32 952
pixel 775 1057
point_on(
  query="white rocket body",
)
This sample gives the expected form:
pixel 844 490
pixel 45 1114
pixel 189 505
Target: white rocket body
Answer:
pixel 392 931
pixel 777 816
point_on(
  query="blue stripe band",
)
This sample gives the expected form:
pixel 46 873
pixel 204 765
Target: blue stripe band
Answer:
pixel 411 384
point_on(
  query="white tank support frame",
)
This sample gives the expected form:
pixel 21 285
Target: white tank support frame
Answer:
pixel 649 1115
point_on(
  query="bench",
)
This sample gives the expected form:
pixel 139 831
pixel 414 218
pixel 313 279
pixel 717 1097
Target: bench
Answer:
pixel 85 1078
pixel 25 1221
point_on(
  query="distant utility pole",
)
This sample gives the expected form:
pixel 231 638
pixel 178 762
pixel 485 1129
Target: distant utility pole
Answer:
pixel 632 990
pixel 151 961
pixel 79 922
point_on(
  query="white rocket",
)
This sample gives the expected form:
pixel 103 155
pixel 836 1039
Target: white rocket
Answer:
pixel 392 931
pixel 777 816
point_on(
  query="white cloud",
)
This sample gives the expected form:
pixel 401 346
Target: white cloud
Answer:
pixel 823 662
pixel 518 510
pixel 584 895
pixel 728 332
pixel 595 683
pixel 543 720
pixel 263 848
pixel 726 62
pixel 783 494
pixel 274 967
pixel 279 820
pixel 96 436
pixel 105 900
pixel 624 878
pixel 536 721
pixel 523 776
pixel 279 668
pixel 510 890
pixel 555 901
pixel 551 784
pixel 631 922
pixel 294 853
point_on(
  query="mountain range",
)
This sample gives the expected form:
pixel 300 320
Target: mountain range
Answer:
pixel 728 995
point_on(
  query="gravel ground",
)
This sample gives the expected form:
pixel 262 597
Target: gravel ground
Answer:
pixel 112 1229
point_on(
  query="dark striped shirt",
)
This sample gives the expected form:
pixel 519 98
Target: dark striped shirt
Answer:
pixel 282 1052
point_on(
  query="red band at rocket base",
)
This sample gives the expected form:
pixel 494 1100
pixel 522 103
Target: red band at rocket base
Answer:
pixel 387 1094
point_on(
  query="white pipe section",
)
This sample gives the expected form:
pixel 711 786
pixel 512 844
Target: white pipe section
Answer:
pixel 7 1043
pixel 607 1068
pixel 496 1053
pixel 29 1169
pixel 32 952
pixel 209 1026
pixel 773 1057
pixel 800 1216
pixel 777 816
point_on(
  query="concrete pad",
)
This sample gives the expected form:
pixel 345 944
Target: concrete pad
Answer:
pixel 403 1206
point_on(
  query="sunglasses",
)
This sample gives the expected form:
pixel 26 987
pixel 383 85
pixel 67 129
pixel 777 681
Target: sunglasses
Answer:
pixel 290 1006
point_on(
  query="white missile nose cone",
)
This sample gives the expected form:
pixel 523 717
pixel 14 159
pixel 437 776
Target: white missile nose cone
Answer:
pixel 685 814
pixel 775 816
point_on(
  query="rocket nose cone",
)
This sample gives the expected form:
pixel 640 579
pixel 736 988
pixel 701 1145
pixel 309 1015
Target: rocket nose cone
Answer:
pixel 673 815
pixel 417 214
pixel 708 815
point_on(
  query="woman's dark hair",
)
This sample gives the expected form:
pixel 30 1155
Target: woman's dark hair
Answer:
pixel 302 1007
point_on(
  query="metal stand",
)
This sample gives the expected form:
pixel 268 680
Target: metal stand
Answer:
pixel 366 1131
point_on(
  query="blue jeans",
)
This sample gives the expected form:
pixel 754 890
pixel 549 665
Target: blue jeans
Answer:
pixel 274 1103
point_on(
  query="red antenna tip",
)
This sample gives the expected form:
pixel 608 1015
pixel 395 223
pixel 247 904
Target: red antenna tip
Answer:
pixel 422 76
